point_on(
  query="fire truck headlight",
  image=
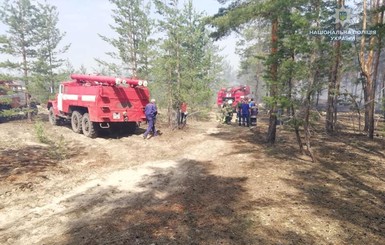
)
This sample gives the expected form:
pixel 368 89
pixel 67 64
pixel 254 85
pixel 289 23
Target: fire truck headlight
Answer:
pixel 145 83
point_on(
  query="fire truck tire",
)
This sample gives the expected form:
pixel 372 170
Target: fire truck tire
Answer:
pixel 52 118
pixel 76 122
pixel 89 128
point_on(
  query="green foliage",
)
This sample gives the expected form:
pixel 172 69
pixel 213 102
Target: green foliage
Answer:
pixel 295 65
pixel 133 45
pixel 20 41
pixel 7 113
pixel 187 65
pixel 59 150
pixel 58 145
pixel 40 133
pixel 32 40
pixel 46 65
pixel 233 17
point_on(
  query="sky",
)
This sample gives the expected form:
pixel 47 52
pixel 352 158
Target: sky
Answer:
pixel 82 20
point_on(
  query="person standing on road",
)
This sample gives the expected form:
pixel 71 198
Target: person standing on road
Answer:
pixel 245 112
pixel 252 102
pixel 183 113
pixel 239 111
pixel 229 112
pixel 253 112
pixel 150 111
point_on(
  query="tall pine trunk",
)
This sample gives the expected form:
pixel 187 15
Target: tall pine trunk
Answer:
pixel 306 124
pixel 333 88
pixel 25 78
pixel 383 95
pixel 369 65
pixel 271 134
pixel 379 20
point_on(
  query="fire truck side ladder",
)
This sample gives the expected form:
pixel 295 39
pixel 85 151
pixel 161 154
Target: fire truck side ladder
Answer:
pixel 105 108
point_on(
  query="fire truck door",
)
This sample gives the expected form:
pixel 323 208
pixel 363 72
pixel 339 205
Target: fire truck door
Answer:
pixel 60 98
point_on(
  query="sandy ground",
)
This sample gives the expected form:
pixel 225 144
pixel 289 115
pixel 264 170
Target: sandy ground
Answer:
pixel 206 184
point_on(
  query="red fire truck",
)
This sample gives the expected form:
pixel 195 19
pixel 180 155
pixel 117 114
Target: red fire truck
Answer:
pixel 93 103
pixel 233 93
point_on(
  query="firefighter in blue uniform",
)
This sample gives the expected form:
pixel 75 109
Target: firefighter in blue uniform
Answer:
pixel 150 111
pixel 245 109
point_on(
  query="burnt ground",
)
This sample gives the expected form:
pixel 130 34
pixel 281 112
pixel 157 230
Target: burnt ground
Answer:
pixel 206 184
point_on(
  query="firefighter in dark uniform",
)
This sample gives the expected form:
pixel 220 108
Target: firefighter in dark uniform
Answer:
pixel 253 112
pixel 239 111
pixel 245 113
pixel 229 112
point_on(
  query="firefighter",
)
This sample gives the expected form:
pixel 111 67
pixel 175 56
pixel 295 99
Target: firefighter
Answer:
pixel 223 112
pixel 239 111
pixel 245 110
pixel 228 112
pixel 253 112
pixel 150 111
pixel 183 113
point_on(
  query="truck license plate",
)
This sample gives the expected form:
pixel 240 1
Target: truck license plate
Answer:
pixel 116 115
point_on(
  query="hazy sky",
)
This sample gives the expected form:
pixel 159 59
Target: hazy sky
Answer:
pixel 82 20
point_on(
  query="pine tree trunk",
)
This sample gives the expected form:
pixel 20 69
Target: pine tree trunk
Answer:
pixel 296 129
pixel 25 73
pixel 371 112
pixel 366 99
pixel 307 125
pixel 333 92
pixel 169 100
pixel 290 87
pixel 333 88
pixel 383 95
pixel 379 19
pixel 331 101
pixel 273 88
pixel 369 66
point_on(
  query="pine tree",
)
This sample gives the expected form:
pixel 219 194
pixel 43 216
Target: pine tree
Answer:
pixel 198 59
pixel 133 44
pixel 369 54
pixel 48 61
pixel 239 13
pixel 187 67
pixel 251 48
pixel 20 41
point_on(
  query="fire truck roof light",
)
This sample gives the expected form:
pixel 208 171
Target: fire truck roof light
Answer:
pixel 140 82
pixel 145 83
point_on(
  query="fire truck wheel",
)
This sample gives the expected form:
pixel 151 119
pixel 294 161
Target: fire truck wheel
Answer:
pixel 52 118
pixel 89 129
pixel 76 122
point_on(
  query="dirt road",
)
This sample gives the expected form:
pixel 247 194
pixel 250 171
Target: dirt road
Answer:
pixel 207 184
pixel 86 191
